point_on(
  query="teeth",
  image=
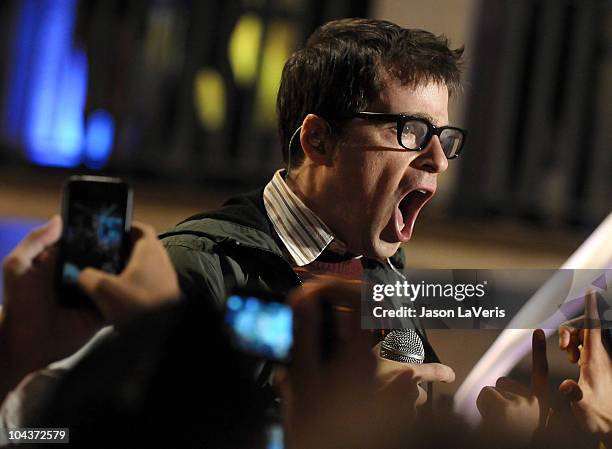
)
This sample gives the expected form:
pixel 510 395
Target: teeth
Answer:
pixel 422 191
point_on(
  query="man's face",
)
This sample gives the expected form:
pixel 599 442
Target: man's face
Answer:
pixel 377 187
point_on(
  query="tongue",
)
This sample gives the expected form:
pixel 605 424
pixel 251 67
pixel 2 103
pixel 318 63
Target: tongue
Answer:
pixel 403 230
pixel 398 230
pixel 399 220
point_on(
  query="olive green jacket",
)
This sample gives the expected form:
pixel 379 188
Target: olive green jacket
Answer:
pixel 237 247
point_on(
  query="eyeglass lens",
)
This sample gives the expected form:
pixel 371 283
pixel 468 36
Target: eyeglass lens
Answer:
pixel 450 139
pixel 414 136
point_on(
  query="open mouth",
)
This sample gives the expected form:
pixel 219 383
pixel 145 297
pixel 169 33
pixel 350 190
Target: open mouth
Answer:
pixel 407 211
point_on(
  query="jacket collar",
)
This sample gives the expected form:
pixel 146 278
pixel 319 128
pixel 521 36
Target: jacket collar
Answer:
pixel 243 219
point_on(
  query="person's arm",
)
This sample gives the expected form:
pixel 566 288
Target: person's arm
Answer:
pixel 34 329
pixel 591 395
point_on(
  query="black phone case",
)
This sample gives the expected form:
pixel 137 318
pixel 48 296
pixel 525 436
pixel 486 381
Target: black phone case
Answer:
pixel 70 294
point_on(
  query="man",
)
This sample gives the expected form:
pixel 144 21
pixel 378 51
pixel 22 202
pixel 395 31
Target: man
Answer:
pixel 130 378
pixel 363 121
pixel 336 403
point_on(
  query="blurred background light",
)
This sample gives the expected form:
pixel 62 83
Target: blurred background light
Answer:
pixel 99 136
pixel 244 48
pixel 48 84
pixel 209 98
pixel 278 46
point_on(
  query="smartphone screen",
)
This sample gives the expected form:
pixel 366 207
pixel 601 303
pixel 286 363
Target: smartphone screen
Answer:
pixel 260 327
pixel 97 218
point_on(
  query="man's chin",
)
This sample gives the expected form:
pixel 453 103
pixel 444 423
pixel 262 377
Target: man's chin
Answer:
pixel 382 250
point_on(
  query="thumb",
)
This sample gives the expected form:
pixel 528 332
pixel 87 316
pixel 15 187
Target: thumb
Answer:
pixel 106 291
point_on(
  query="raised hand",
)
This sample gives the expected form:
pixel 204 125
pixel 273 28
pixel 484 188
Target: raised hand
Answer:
pixel 591 395
pixel 514 410
pixel 35 329
pixel 148 281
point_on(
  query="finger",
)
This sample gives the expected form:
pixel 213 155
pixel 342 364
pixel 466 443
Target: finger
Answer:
pixel 569 341
pixel 592 344
pixel 47 254
pixel 511 386
pixel 565 335
pixel 111 296
pixel 405 386
pixel 140 230
pixel 574 323
pixel 571 390
pixel 48 233
pixel 571 336
pixel 422 398
pixel 539 372
pixel 509 396
pixel 20 259
pixel 376 349
pixel 591 314
pixel 488 401
pixel 433 372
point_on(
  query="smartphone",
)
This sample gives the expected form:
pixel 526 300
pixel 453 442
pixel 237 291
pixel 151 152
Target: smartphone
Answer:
pixel 97 216
pixel 260 325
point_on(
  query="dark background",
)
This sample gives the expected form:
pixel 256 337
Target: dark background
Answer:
pixel 178 98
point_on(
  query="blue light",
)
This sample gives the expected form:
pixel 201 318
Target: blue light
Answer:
pixel 99 137
pixel 19 76
pixel 48 88
pixel 234 303
pixel 54 125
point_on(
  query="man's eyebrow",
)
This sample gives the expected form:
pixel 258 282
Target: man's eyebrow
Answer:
pixel 422 115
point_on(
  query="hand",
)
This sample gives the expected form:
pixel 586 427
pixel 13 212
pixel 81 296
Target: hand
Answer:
pixel 338 402
pixel 388 370
pixel 591 396
pixel 148 281
pixel 34 329
pixel 514 410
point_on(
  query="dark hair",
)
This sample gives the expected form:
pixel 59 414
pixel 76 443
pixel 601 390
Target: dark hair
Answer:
pixel 341 70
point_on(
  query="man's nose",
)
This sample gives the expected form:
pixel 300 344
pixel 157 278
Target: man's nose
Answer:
pixel 432 157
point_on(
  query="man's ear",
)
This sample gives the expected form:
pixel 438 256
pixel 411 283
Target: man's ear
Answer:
pixel 315 138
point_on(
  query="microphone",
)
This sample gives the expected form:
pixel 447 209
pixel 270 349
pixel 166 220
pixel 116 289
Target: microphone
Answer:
pixel 403 345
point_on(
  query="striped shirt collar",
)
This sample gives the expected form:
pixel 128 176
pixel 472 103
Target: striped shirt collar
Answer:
pixel 304 234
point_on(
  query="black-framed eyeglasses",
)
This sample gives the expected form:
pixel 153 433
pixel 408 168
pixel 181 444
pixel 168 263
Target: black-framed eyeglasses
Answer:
pixel 414 133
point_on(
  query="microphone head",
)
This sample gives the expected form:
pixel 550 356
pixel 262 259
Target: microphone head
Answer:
pixel 403 345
